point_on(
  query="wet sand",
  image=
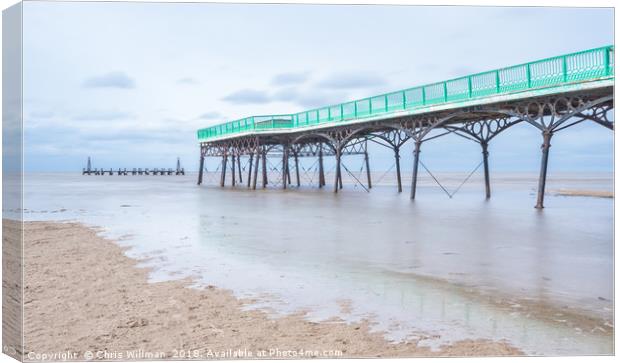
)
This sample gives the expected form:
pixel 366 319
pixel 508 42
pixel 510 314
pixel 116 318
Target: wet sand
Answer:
pixel 583 193
pixel 82 294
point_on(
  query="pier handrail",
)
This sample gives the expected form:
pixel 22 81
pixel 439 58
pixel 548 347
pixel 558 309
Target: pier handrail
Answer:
pixel 587 65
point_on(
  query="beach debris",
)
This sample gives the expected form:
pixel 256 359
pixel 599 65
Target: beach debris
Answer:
pixel 136 322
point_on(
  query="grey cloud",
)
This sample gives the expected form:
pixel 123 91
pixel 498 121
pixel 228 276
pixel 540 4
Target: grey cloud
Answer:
pixel 188 81
pixel 110 80
pixel 286 94
pixel 307 98
pixel 352 81
pixel 103 116
pixel 247 96
pixel 318 99
pixel 130 136
pixel 210 116
pixel 290 78
pixel 311 97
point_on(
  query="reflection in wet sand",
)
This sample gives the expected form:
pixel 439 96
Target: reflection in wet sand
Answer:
pixel 437 270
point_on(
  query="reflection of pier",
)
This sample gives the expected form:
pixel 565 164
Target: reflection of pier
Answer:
pixel 89 170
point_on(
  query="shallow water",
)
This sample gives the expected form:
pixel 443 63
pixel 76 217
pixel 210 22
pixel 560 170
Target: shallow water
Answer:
pixel 438 269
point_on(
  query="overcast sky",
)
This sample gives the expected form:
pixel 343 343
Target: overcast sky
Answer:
pixel 129 83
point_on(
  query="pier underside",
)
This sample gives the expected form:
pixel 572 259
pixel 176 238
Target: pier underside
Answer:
pixel 549 114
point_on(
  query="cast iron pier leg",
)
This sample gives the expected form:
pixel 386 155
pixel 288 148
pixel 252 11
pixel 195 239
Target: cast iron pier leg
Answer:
pixel 321 170
pixel 264 169
pixel 250 170
pixel 284 166
pixel 239 167
pixel 202 167
pixel 542 180
pixel 255 171
pixel 223 178
pixel 288 170
pixel 398 178
pixel 337 177
pixel 367 169
pixel 416 161
pixel 232 169
pixel 485 159
pixel 297 170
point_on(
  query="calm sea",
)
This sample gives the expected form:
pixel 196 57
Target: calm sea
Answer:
pixel 438 269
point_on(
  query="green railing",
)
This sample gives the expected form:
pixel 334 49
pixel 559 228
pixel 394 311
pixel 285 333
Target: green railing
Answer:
pixel 565 69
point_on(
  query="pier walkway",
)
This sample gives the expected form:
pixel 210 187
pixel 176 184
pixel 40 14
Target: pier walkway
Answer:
pixel 550 94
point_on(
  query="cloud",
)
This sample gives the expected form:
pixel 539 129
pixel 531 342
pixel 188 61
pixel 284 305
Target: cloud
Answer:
pixel 247 96
pixel 310 98
pixel 320 99
pixel 188 81
pixel 290 78
pixel 286 94
pixel 210 116
pixel 41 114
pixel 352 81
pixel 103 116
pixel 110 80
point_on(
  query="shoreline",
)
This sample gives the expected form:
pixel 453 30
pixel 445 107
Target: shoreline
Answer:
pixel 582 193
pixel 102 301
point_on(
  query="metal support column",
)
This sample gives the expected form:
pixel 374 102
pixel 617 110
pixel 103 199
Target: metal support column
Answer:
pixel 367 169
pixel 416 161
pixel 232 170
pixel 239 167
pixel 223 177
pixel 321 170
pixel 264 156
pixel 285 172
pixel 398 178
pixel 485 160
pixel 250 169
pixel 542 180
pixel 288 170
pixel 337 174
pixel 202 167
pixel 255 170
pixel 297 170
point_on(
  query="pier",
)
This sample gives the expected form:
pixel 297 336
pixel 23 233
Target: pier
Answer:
pixel 89 170
pixel 550 94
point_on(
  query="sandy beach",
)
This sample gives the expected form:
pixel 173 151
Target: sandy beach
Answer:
pixel 84 298
pixel 583 193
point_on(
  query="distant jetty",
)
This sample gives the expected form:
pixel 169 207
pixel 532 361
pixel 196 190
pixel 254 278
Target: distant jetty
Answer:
pixel 89 170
